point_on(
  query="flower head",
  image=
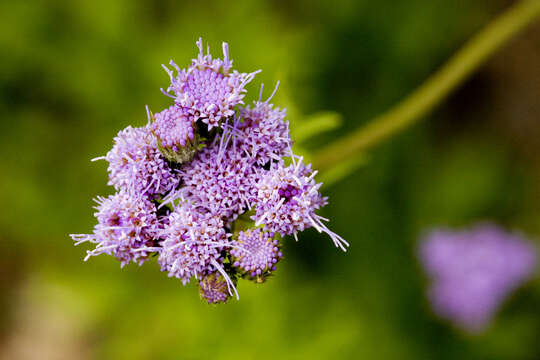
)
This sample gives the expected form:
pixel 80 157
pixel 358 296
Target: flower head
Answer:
pixel 136 165
pixel 127 228
pixel 287 198
pixel 474 271
pixel 175 133
pixel 256 253
pixel 213 288
pixel 220 180
pixel 193 241
pixel 209 89
pixel 264 133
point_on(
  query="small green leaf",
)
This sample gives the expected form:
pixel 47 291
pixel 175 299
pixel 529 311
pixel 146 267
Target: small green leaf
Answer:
pixel 315 124
pixel 342 170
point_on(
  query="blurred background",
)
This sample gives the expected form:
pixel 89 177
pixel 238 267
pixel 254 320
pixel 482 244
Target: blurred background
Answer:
pixel 73 73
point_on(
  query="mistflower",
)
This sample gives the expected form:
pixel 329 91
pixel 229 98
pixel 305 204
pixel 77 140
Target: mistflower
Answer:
pixel 264 133
pixel 214 289
pixel 175 133
pixel 208 89
pixel 127 228
pixel 220 180
pixel 287 198
pixel 198 181
pixel 193 242
pixel 473 272
pixel 136 164
pixel 256 253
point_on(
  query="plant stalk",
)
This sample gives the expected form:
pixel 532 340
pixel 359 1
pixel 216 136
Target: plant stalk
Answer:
pixel 435 89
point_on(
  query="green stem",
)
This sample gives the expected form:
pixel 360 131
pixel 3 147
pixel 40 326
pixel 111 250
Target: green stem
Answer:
pixel 434 89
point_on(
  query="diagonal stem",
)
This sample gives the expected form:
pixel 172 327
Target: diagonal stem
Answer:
pixel 435 89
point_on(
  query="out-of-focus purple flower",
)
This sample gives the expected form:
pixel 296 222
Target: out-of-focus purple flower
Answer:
pixel 287 198
pixel 474 271
pixel 136 165
pixel 256 253
pixel 209 89
pixel 264 133
pixel 127 228
pixel 175 133
pixel 213 288
pixel 193 241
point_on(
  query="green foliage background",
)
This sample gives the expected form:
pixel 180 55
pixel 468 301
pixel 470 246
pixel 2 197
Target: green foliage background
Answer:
pixel 73 73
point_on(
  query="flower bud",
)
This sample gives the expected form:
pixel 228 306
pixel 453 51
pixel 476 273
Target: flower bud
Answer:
pixel 213 288
pixel 175 132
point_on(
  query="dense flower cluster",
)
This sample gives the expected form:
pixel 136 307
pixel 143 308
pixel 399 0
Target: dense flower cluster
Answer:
pixel 208 184
pixel 474 271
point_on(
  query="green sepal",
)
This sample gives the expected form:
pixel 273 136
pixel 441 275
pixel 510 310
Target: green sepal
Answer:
pixel 183 155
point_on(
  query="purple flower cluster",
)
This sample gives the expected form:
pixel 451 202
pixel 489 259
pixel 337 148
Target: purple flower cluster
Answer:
pixel 208 185
pixel 473 271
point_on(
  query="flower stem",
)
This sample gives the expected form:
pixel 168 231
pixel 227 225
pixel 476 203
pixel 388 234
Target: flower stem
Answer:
pixel 414 107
